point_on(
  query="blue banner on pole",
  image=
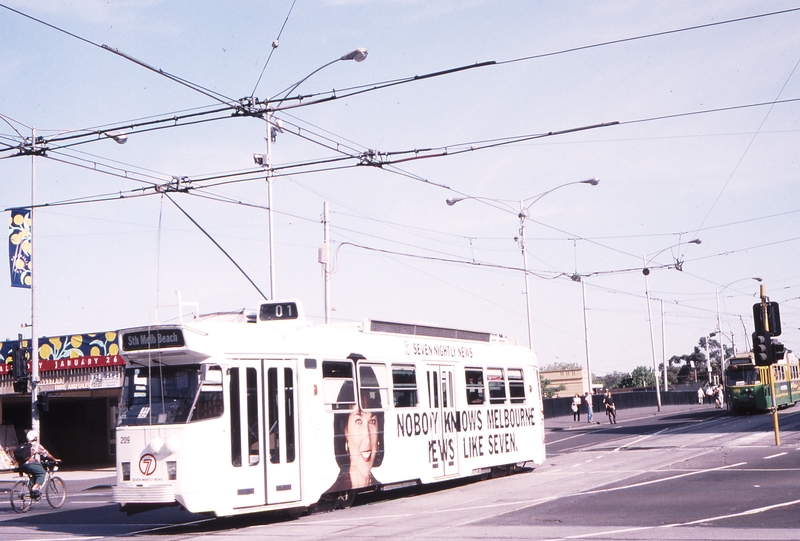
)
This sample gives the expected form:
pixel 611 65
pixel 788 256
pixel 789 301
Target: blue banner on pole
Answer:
pixel 19 247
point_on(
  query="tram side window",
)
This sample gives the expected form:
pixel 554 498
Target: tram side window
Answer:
pixel 373 384
pixel 475 390
pixel 497 385
pixel 209 402
pixel 338 385
pixel 404 382
pixel 516 386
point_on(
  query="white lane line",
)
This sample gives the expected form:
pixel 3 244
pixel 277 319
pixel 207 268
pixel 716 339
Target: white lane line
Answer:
pixel 690 523
pixel 602 490
pixel 74 538
pixel 775 456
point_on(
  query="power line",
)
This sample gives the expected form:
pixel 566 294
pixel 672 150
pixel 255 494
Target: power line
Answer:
pixel 275 44
pixel 646 36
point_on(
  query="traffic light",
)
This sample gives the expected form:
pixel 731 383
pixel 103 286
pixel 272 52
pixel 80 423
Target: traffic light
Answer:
pixel 763 348
pixel 778 351
pixel 773 317
pixel 20 363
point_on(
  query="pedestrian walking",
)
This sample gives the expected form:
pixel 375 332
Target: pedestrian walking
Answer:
pixel 701 395
pixel 611 409
pixel 576 407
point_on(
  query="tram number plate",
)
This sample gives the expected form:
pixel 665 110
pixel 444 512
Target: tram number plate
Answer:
pixel 278 310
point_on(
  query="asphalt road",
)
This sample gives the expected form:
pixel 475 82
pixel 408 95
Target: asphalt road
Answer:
pixel 679 474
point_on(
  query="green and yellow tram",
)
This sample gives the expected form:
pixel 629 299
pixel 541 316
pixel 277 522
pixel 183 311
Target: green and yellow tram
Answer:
pixel 748 386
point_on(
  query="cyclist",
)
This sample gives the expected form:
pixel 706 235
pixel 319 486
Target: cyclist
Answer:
pixel 34 465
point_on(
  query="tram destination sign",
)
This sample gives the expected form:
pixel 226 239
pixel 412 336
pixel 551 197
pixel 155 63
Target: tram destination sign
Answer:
pixel 152 339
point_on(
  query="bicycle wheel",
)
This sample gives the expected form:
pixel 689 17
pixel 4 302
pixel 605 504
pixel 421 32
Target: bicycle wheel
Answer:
pixel 56 492
pixel 20 497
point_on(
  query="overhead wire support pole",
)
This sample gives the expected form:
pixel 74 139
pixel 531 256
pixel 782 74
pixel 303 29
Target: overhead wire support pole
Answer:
pixel 522 216
pixel 586 337
pixel 272 287
pixel 325 258
pixel 34 323
pixel 650 321
pixel 664 347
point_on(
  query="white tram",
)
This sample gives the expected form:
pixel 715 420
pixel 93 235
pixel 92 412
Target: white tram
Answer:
pixel 232 414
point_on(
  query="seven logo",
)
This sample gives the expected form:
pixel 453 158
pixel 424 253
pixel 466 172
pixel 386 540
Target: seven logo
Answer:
pixel 147 464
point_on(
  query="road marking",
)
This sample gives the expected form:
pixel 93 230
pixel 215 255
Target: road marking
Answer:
pixel 755 511
pixel 602 490
pixel 774 456
pixel 63 538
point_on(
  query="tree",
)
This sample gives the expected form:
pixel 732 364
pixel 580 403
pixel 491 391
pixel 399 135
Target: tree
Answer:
pixel 612 380
pixel 552 367
pixel 548 389
pixel 640 377
pixel 672 373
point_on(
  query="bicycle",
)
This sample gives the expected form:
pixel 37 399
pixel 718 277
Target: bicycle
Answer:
pixel 54 488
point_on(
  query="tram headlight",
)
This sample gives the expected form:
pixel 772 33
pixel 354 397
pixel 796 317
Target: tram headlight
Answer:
pixel 172 470
pixel 173 444
pixel 126 471
pixel 156 444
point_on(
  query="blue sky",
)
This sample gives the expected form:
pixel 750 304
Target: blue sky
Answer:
pixel 666 177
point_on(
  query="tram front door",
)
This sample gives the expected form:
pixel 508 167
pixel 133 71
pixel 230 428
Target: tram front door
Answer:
pixel 280 415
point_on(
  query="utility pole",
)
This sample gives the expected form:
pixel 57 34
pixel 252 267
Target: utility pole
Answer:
pixel 646 272
pixel 34 324
pixel 324 258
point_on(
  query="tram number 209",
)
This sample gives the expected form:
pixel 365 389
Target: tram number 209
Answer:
pixel 278 310
pixel 124 440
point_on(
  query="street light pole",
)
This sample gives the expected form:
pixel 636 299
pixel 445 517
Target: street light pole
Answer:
pixel 34 322
pixel 269 209
pixel 359 55
pixel 586 337
pixel 646 272
pixel 525 271
pixel 522 215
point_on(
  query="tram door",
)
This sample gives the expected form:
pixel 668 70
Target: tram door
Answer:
pixel 443 454
pixel 246 435
pixel 280 414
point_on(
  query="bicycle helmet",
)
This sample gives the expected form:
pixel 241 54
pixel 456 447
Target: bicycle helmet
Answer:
pixel 33 435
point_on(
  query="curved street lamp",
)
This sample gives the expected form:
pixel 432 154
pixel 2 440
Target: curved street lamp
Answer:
pixel 265 160
pixel 717 291
pixel 522 214
pixel 646 272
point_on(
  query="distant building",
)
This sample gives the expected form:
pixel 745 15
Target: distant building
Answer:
pixel 574 381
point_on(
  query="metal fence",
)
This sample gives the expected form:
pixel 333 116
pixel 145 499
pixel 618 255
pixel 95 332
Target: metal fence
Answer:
pixel 558 407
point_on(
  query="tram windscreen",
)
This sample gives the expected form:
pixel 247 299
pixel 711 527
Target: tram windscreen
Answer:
pixel 742 375
pixel 169 395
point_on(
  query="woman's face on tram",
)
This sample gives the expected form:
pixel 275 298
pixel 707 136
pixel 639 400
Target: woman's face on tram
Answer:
pixel 361 435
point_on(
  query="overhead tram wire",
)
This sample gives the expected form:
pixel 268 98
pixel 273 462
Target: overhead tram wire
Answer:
pixel 230 258
pixel 274 46
pixel 651 35
pixel 197 88
pixel 366 88
pixel 352 91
